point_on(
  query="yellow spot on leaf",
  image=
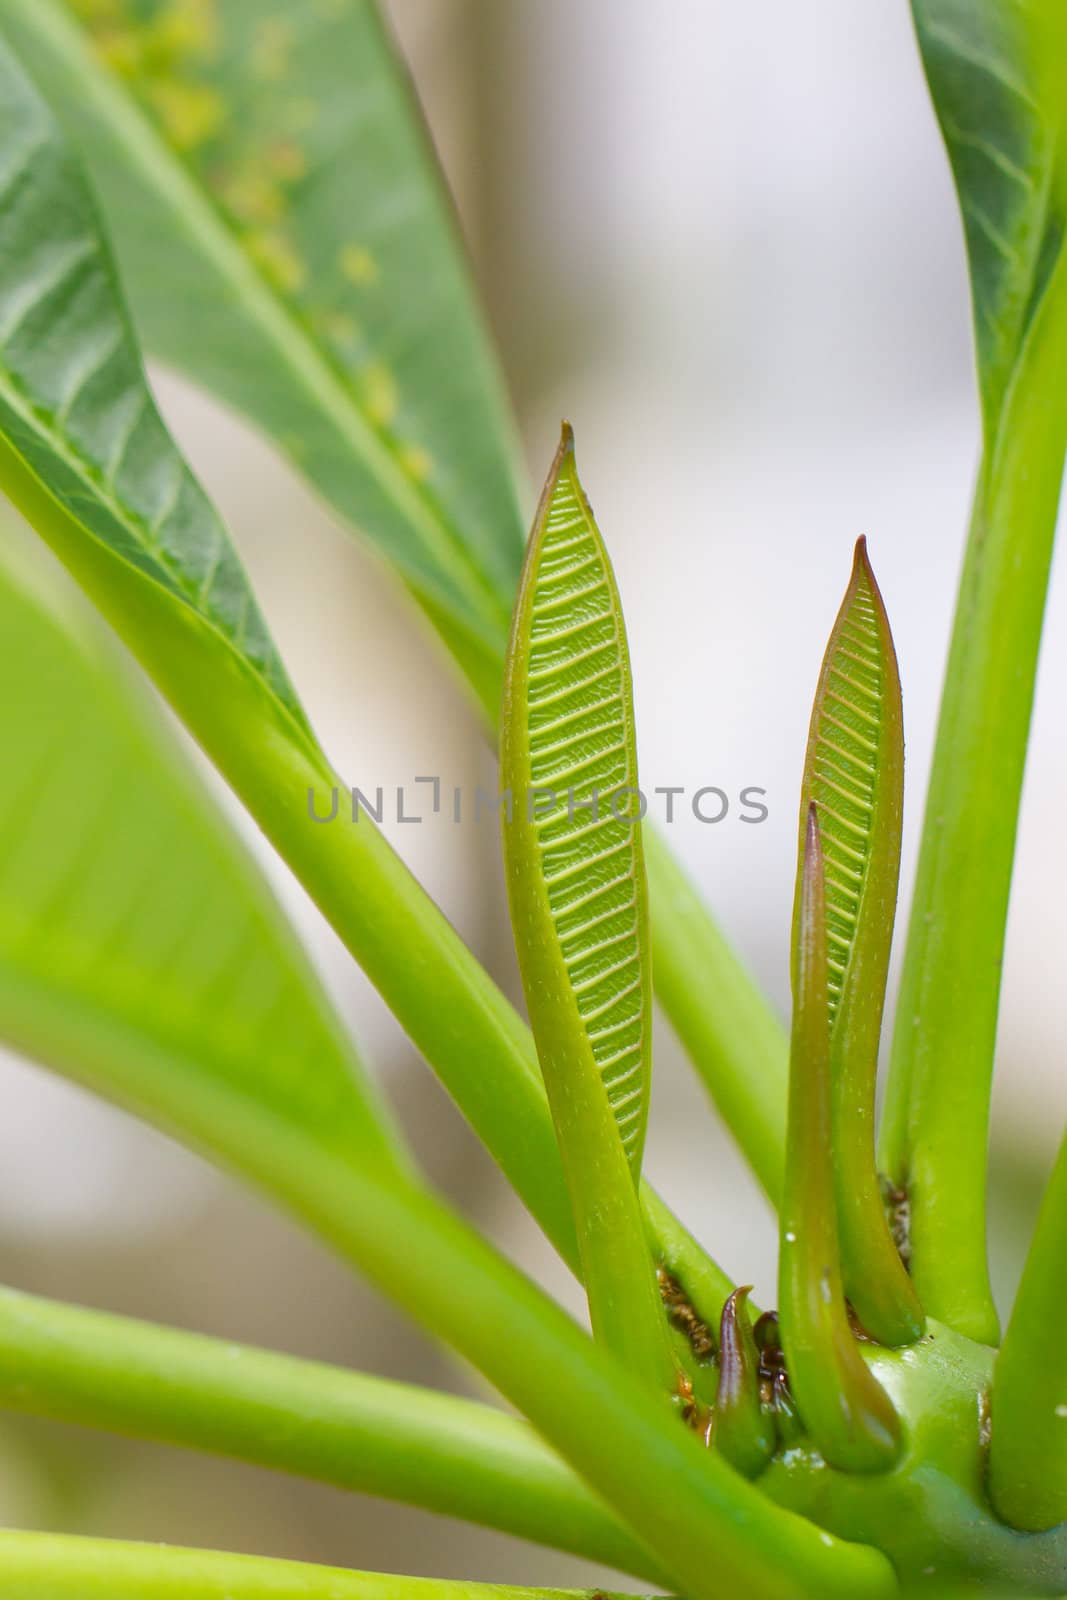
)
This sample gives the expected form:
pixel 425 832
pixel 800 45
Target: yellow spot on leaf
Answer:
pixel 271 47
pixel 416 462
pixel 277 256
pixel 338 327
pixel 98 11
pixel 287 161
pixel 358 265
pixel 119 49
pixel 250 194
pixel 187 28
pixel 380 394
pixel 191 113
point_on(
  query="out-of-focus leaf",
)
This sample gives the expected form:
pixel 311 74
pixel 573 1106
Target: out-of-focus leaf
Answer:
pixel 75 409
pixel 845 1409
pixel 576 881
pixel 140 951
pixel 250 726
pixel 854 772
pixel 286 242
pixel 997 71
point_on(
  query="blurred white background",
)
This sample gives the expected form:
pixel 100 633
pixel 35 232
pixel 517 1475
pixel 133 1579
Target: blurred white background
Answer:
pixel 721 240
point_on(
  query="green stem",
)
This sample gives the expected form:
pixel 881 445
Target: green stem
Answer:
pixel 730 1033
pixel 844 1407
pixel 367 1434
pixel 936 1123
pixel 708 1528
pixel 45 1566
pixel 1028 1447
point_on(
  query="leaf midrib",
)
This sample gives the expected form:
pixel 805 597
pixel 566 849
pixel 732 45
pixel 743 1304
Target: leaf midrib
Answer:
pixel 311 368
pixel 129 519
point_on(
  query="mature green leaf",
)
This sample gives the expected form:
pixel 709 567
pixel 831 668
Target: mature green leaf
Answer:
pixel 854 773
pixel 73 398
pixel 286 241
pixel 998 76
pixel 576 882
pixel 847 1412
pixel 140 950
pixel 995 69
pixel 280 220
pixel 1028 1444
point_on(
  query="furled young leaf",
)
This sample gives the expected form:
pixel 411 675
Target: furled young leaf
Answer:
pixel 1028 1444
pixel 285 239
pixel 854 772
pixel 281 223
pixel 740 1430
pixel 576 882
pixel 847 1412
pixel 998 76
pixel 140 950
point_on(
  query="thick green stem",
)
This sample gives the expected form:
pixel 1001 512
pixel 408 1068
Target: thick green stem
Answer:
pixel 362 1433
pixel 45 1566
pixel 703 1524
pixel 729 1031
pixel 1028 1447
pixel 936 1124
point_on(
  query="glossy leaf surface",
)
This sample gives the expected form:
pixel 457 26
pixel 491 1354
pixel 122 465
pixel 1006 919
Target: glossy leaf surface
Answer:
pixel 576 884
pixel 140 951
pixel 287 243
pixel 846 1411
pixel 998 76
pixel 854 773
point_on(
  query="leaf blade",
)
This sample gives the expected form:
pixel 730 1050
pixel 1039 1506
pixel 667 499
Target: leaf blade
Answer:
pixel 140 952
pixel 73 397
pixel 337 318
